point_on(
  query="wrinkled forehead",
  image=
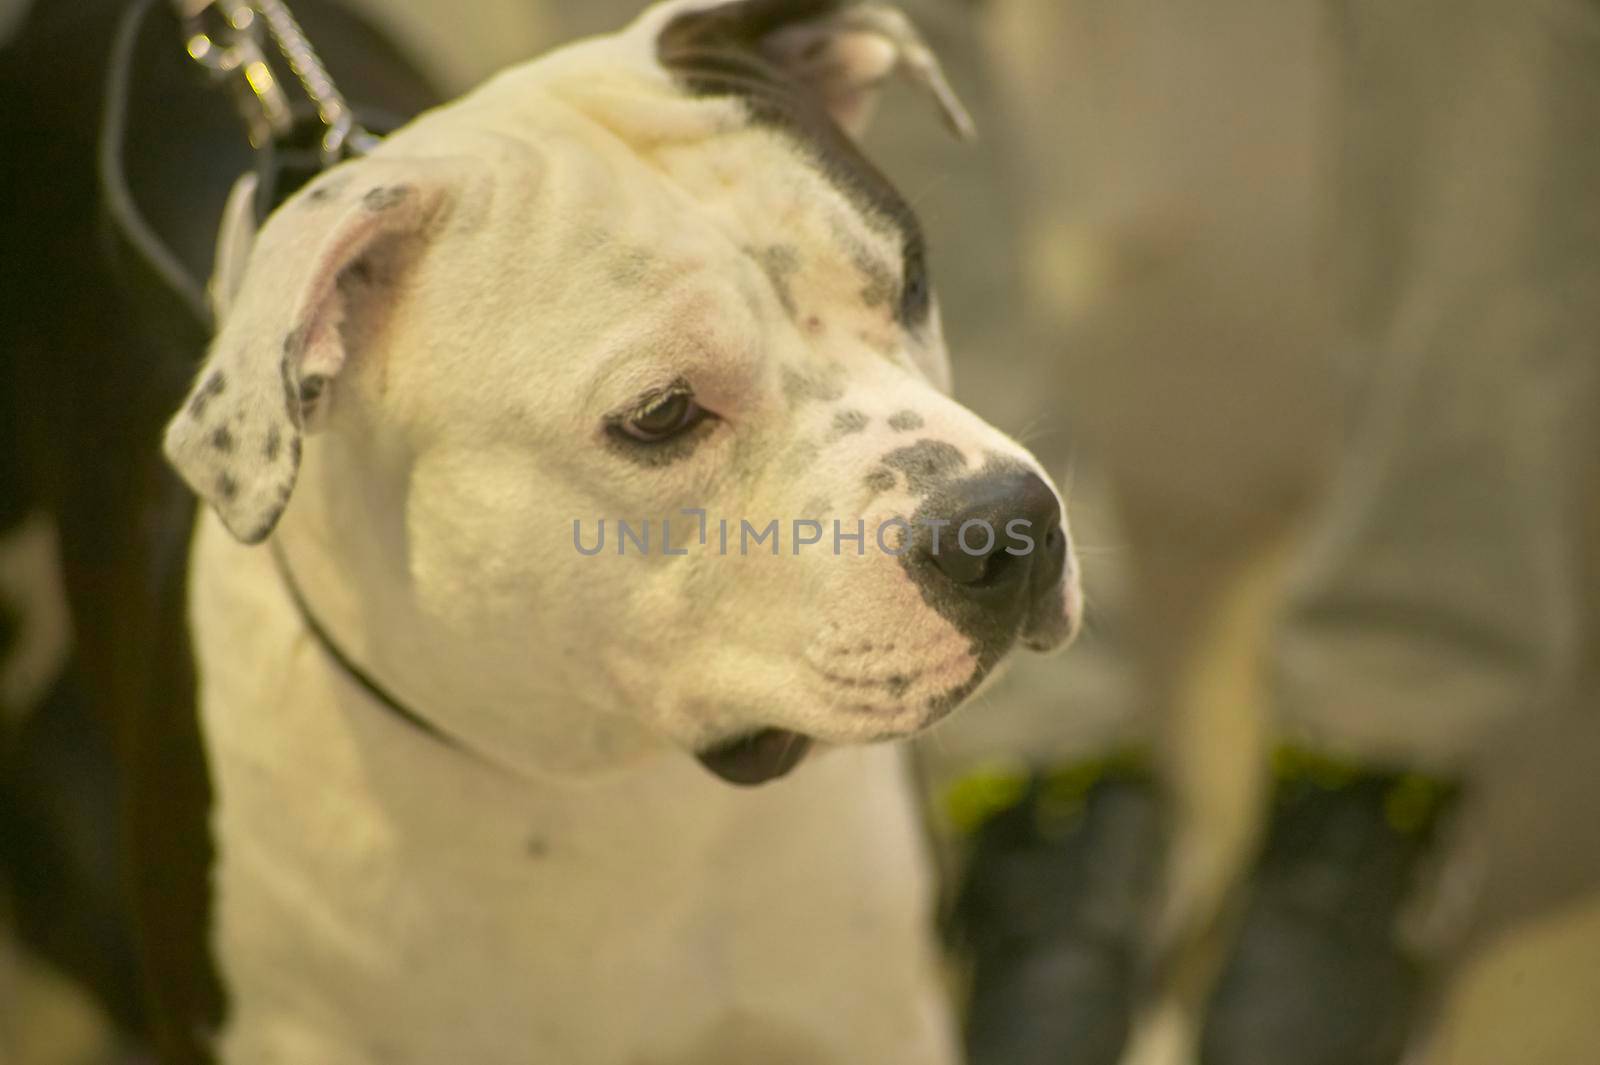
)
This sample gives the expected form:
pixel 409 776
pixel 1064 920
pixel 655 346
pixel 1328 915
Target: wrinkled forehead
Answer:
pixel 687 93
pixel 664 211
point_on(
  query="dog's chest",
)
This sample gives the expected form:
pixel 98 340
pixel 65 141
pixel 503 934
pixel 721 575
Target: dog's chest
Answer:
pixel 379 897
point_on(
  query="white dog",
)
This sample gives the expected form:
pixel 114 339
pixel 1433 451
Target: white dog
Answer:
pixel 460 753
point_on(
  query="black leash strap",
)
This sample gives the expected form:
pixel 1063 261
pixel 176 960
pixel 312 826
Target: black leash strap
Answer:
pixel 129 220
pixel 290 147
pixel 292 140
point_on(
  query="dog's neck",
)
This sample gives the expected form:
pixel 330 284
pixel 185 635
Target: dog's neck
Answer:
pixel 348 665
pixel 361 595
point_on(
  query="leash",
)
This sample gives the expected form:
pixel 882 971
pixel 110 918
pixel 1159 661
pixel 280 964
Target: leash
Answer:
pixel 224 37
pixel 292 141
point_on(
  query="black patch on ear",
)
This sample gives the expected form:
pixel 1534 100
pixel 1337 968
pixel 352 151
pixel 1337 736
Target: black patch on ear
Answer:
pixel 214 386
pixel 717 52
pixel 905 421
pixel 383 197
pixel 222 440
pixel 291 395
pixel 227 487
pixel 294 345
pixel 311 391
pixel 269 450
pixel 326 190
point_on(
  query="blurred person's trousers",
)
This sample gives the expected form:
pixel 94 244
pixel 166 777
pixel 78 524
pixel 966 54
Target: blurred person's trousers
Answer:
pixel 1447 587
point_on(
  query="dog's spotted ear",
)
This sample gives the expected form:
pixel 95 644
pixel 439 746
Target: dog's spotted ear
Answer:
pixel 237 438
pixel 836 52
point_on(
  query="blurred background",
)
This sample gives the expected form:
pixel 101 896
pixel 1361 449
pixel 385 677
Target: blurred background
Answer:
pixel 1298 298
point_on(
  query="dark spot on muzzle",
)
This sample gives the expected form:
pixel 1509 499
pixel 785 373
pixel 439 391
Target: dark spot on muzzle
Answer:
pixel 214 386
pixel 880 481
pixel 847 422
pixel 926 465
pixel 905 421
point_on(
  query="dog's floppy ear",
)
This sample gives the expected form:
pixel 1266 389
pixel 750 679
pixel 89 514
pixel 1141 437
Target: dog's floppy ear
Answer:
pixel 236 440
pixel 838 52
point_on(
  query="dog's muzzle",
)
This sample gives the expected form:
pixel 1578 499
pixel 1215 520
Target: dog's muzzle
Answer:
pixel 996 589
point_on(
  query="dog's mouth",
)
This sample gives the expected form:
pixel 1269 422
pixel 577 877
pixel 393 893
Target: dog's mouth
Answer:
pixel 756 757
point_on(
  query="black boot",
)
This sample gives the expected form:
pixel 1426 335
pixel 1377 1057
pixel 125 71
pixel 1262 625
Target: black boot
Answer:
pixel 1318 974
pixel 1052 915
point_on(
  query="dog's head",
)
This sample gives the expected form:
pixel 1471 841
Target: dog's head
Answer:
pixel 623 397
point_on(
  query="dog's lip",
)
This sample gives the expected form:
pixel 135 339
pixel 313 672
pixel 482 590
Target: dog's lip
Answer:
pixel 756 757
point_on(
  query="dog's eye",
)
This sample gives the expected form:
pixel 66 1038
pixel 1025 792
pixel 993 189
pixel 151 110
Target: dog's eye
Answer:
pixel 663 419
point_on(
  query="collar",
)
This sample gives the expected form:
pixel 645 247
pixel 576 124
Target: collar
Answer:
pixel 380 695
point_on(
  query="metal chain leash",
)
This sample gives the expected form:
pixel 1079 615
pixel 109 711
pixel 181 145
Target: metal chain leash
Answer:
pixel 226 38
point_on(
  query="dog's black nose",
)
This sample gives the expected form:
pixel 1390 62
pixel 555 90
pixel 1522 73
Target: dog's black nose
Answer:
pixel 1003 520
pixel 988 553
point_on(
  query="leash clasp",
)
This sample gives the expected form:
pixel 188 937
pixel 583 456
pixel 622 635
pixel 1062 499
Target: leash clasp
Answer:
pixel 226 38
